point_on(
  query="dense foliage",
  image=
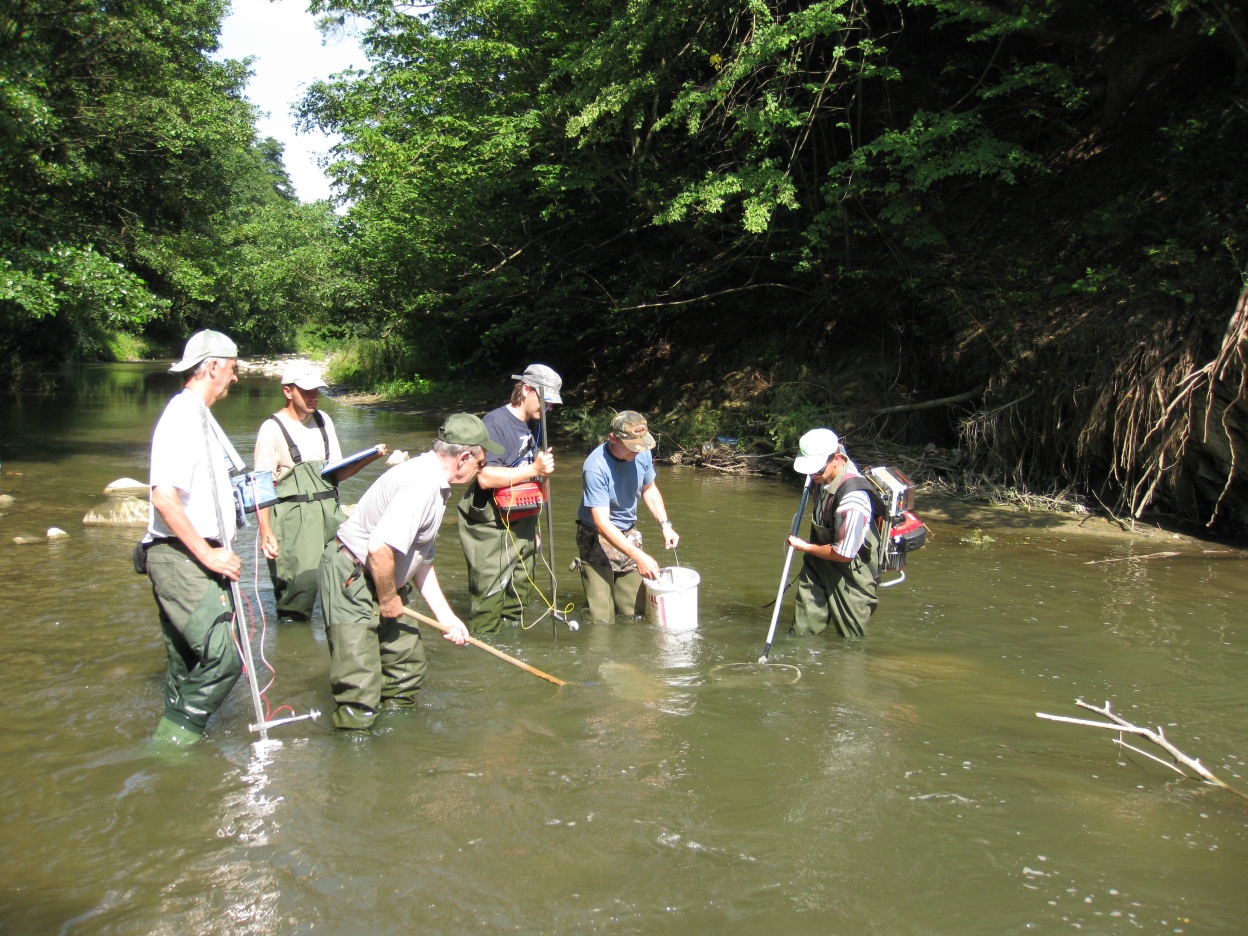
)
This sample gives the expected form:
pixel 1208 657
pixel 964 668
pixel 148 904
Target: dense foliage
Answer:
pixel 134 195
pixel 821 208
pixel 755 215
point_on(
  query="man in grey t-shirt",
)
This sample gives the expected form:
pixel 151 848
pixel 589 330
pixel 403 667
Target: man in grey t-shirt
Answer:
pixel 366 572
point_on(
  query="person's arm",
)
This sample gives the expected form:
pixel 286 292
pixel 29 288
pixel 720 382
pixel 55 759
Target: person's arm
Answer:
pixel 851 531
pixel 350 471
pixel 426 580
pixel 265 458
pixel 602 523
pixel 500 476
pixel 380 563
pixel 654 501
pixel 268 542
pixel 827 551
pixel 218 560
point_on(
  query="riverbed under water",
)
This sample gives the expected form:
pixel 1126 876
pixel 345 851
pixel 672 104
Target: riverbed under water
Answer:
pixel 902 785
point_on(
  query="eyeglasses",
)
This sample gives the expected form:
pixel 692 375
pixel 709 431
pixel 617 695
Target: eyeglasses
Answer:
pixel 480 460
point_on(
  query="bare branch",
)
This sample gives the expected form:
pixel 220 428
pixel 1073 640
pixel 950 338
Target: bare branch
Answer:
pixel 1119 724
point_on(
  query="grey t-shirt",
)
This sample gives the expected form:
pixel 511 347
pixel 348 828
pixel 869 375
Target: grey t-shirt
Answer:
pixel 403 509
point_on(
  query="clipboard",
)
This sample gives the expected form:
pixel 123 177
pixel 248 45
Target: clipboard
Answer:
pixel 341 463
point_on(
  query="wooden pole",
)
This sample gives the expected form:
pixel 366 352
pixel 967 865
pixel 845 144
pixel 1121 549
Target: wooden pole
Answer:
pixel 438 625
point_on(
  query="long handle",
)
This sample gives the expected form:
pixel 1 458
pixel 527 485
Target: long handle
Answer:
pixel 240 620
pixel 784 575
pixel 438 625
pixel 550 518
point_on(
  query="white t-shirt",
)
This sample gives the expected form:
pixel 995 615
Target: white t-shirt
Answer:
pixel 272 453
pixel 187 458
pixel 404 510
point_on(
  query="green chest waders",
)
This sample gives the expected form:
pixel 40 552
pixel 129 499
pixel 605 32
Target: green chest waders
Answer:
pixel 501 558
pixel 305 518
pixel 839 593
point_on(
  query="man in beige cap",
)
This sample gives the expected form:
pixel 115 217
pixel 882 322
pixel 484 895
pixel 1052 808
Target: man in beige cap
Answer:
pixel 296 443
pixel 376 656
pixel 615 477
pixel 186 551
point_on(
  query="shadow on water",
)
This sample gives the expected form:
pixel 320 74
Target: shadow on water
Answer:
pixel 902 785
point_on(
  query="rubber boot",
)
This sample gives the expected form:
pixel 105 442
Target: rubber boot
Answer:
pixel 170 733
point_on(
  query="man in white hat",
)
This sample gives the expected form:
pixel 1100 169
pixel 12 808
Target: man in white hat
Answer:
pixel 185 550
pixel 296 443
pixel 837 584
pixel 498 519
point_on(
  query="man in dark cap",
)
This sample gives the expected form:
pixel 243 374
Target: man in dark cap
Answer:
pixel 366 571
pixel 615 477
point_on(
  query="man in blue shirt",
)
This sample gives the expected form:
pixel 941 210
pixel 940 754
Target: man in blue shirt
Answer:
pixel 616 476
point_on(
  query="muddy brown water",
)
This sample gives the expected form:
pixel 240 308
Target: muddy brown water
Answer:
pixel 903 785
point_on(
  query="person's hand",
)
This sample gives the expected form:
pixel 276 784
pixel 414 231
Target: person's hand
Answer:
pixel 268 545
pixel 544 463
pixel 382 451
pixel 646 565
pixel 670 537
pixel 799 544
pixel 392 607
pixel 222 561
pixel 458 633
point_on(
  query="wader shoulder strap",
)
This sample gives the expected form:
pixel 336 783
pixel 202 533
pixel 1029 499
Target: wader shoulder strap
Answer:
pixel 296 456
pixel 858 483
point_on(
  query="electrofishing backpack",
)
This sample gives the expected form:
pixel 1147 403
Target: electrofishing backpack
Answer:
pixel 898 531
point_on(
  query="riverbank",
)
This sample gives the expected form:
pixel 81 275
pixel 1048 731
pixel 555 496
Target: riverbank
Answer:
pixel 945 490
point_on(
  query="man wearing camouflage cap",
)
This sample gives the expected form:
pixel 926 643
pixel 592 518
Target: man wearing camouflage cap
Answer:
pixel 616 476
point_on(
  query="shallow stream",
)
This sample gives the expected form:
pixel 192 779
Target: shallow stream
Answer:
pixel 903 785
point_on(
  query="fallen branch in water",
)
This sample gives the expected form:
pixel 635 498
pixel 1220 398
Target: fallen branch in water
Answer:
pixel 1169 554
pixel 1158 737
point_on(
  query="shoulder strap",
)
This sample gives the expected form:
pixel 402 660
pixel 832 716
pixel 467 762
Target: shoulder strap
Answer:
pixel 295 455
pixel 858 483
pixel 320 424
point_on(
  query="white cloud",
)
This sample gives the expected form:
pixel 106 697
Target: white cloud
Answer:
pixel 290 54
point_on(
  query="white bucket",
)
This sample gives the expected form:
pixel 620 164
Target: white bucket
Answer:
pixel 672 599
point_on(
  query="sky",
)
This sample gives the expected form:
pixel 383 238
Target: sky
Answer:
pixel 289 55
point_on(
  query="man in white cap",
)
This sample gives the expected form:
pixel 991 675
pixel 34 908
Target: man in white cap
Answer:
pixel 498 515
pixel 837 584
pixel 296 443
pixel 367 570
pixel 185 550
pixel 615 478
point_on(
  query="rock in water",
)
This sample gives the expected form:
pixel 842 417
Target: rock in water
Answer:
pixel 119 511
pixel 127 486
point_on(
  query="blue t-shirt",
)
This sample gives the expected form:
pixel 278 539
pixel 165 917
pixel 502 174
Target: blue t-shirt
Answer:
pixel 607 481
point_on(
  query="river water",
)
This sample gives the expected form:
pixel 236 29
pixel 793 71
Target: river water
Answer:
pixel 902 785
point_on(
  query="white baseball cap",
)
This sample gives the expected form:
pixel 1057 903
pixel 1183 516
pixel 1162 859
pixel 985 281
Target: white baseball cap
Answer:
pixel 203 345
pixel 814 450
pixel 304 375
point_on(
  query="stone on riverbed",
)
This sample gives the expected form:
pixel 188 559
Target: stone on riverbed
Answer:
pixel 54 533
pixel 126 510
pixel 127 486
